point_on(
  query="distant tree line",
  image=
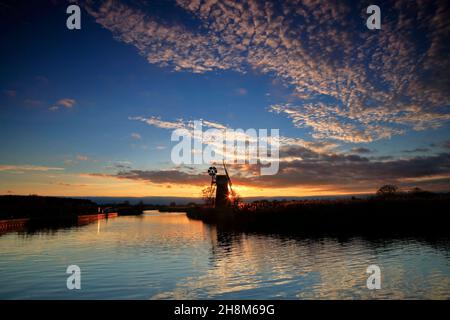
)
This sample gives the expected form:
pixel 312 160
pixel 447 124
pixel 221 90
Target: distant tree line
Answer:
pixel 12 206
pixel 392 191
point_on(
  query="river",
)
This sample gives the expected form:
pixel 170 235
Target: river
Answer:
pixel 168 256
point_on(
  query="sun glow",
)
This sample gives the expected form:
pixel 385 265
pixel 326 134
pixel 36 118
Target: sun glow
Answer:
pixel 66 184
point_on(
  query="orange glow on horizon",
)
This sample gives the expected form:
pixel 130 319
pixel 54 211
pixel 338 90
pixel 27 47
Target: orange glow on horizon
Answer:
pixel 83 185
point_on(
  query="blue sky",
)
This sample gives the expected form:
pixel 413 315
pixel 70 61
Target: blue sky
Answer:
pixel 312 70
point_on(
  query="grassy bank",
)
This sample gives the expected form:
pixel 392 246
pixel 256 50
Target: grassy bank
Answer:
pixel 18 207
pixel 57 208
pixel 402 215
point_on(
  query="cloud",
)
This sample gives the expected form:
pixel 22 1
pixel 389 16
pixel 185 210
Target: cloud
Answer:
pixel 157 122
pixel 63 184
pixel 333 172
pixel 136 136
pixel 361 150
pixel 235 135
pixel 178 124
pixel 416 150
pixel 67 103
pixel 163 176
pixel 325 122
pixel 81 157
pixel 8 167
pixel 351 84
pixel 171 176
pixel 241 91
pixel 162 44
pixel 212 124
pixel 120 165
pixel 316 165
pixel 352 171
pixel 63 103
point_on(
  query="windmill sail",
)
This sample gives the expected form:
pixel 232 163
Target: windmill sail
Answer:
pixel 228 177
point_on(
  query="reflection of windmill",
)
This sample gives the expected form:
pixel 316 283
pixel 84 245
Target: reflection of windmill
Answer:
pixel 220 184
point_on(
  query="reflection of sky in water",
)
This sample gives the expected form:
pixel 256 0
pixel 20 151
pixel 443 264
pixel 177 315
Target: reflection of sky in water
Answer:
pixel 166 256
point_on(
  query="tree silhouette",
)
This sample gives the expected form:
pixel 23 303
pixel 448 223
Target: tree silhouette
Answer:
pixel 387 190
pixel 208 195
pixel 417 190
pixel 235 199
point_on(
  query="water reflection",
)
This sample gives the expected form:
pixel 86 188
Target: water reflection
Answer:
pixel 167 256
pixel 50 226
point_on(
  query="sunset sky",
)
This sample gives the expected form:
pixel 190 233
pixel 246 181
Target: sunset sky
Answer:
pixel 90 112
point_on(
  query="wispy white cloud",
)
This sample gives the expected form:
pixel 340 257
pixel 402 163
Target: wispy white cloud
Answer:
pixel 136 136
pixel 63 103
pixel 233 134
pixel 157 122
pixel 10 167
pixel 66 102
pixel 81 157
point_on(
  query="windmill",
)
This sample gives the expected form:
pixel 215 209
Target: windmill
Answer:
pixel 221 185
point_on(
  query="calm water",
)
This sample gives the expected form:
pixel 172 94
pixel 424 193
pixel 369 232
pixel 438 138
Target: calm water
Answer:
pixel 168 256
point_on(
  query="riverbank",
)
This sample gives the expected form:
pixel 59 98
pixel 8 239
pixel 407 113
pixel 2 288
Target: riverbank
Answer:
pixel 38 224
pixel 427 216
pixel 31 207
pixel 13 225
pixel 58 208
pixel 34 213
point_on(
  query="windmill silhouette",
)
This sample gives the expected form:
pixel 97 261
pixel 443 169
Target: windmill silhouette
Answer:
pixel 221 185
